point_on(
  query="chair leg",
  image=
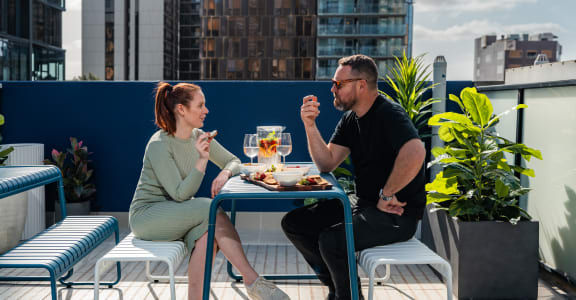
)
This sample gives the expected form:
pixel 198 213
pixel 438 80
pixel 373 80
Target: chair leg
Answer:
pixel 448 279
pixel 53 285
pixel 172 285
pixel 371 282
pixel 97 280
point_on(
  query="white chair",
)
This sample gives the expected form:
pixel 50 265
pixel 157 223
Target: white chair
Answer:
pixel 403 253
pixel 133 249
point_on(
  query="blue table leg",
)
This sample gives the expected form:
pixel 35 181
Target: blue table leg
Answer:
pixel 349 246
pixel 210 247
pixel 352 268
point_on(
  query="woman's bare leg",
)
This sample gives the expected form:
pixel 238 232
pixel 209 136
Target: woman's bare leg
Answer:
pixel 196 268
pixel 229 242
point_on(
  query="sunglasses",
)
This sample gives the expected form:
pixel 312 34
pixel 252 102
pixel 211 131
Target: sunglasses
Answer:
pixel 339 83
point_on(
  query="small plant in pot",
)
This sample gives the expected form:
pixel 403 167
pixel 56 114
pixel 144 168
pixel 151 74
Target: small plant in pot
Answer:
pixel 480 227
pixel 77 177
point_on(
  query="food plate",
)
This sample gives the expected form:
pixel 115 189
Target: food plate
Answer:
pixel 270 183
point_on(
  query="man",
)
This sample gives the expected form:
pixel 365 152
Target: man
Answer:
pixel 387 155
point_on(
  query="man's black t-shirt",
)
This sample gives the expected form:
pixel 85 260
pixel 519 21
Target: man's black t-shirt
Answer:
pixel 374 141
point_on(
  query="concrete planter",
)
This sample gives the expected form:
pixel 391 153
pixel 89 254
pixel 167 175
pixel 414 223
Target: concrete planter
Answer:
pixel 73 209
pixel 490 260
pixel 12 220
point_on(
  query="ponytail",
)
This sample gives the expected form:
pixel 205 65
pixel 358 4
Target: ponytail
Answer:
pixel 167 97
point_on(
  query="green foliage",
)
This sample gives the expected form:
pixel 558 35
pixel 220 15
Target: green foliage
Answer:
pixel 345 177
pixel 86 77
pixel 74 167
pixel 408 78
pixel 4 152
pixel 477 183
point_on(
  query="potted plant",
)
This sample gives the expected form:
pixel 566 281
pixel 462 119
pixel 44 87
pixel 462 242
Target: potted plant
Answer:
pixel 478 225
pixel 409 79
pixel 78 187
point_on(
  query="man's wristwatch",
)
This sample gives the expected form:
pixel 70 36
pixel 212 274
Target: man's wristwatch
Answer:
pixel 385 198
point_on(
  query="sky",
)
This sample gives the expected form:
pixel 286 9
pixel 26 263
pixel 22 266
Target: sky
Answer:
pixel 441 27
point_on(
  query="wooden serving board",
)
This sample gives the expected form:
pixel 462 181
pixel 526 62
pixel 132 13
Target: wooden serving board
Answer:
pixel 297 187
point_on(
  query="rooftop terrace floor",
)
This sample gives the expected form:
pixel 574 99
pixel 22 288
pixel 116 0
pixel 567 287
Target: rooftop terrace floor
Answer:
pixel 407 281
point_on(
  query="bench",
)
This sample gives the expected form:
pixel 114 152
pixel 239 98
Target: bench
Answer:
pixel 133 249
pixel 408 252
pixel 58 248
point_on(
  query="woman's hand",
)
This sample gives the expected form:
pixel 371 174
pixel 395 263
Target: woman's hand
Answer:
pixel 203 146
pixel 219 182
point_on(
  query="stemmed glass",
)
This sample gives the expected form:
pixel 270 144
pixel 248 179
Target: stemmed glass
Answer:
pixel 251 146
pixel 285 146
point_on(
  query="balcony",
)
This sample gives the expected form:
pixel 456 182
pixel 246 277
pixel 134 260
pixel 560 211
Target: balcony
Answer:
pixel 115 119
pixel 361 30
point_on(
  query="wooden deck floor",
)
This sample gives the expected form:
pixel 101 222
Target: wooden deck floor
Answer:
pixel 407 281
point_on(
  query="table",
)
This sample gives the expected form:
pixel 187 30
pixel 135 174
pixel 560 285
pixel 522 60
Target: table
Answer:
pixel 237 189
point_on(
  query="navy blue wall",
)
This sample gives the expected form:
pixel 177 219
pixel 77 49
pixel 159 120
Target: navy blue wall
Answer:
pixel 115 120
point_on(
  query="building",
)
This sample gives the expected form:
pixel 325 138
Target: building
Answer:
pixel 236 39
pixel 258 39
pixel 493 56
pixel 31 40
pixel 377 28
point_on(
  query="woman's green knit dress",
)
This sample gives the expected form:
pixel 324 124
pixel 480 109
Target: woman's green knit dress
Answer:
pixel 164 207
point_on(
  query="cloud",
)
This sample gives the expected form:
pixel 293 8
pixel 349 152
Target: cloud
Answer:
pixel 74 5
pixel 467 5
pixel 476 28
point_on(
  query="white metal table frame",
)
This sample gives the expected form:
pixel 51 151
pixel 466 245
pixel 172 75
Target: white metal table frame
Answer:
pixel 238 189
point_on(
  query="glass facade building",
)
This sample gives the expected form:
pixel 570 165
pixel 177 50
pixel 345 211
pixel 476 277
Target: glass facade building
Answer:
pixel 31 40
pixel 376 28
pixel 258 39
pixel 190 34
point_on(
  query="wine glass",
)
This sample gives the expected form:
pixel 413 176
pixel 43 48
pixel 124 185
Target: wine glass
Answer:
pixel 251 146
pixel 285 146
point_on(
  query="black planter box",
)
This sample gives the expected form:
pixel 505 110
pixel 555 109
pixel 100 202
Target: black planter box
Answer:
pixel 490 260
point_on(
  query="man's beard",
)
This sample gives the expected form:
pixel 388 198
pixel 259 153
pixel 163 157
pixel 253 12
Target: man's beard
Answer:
pixel 341 106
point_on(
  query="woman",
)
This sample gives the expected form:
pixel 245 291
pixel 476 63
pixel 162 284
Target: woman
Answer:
pixel 164 206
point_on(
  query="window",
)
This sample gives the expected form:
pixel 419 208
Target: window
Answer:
pixel 531 54
pixel 209 48
pixel 280 25
pixel 236 26
pixel 233 7
pixel 109 40
pixel 256 47
pixel 233 48
pixel 282 47
pixel 254 66
pixel 234 69
pixel 515 53
pixel 279 68
pixel 212 26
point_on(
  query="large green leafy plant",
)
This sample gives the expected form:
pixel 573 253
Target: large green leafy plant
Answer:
pixel 409 79
pixel 74 167
pixel 477 182
pixel 4 152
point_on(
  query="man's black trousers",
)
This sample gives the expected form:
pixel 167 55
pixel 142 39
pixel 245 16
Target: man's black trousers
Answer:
pixel 317 231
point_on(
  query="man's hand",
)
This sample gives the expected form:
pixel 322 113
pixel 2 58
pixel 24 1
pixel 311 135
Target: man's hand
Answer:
pixel 309 110
pixel 219 182
pixel 393 206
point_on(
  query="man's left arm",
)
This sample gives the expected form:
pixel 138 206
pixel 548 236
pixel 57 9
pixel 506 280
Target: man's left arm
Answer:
pixel 406 166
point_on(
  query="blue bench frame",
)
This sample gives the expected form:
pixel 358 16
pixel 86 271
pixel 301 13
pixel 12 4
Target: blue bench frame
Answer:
pixel 63 244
